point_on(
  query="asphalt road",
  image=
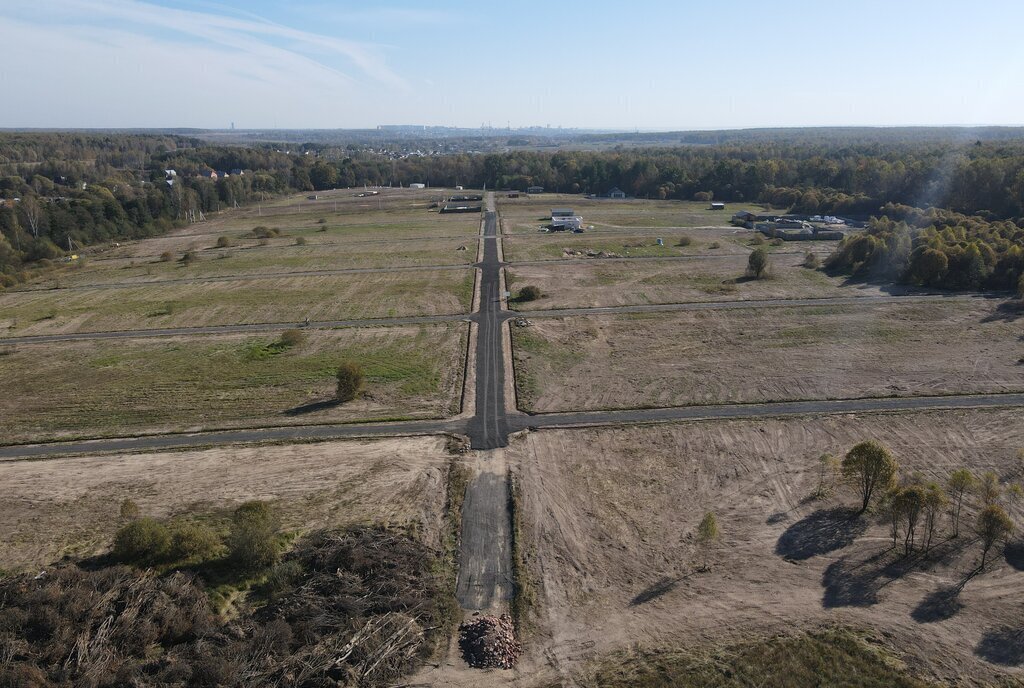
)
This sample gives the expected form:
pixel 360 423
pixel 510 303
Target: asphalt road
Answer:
pixel 488 428
pixel 510 423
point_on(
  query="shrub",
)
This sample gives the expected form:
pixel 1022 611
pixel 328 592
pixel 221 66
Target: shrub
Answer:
pixel 714 244
pixel 194 542
pixel 776 242
pixel 291 338
pixel 703 196
pixel 253 542
pixel 265 232
pixel 143 541
pixel 129 510
pixel 350 381
pixel 223 242
pixel 684 241
pixel 757 263
pixel 811 260
pixel 321 221
pixel 300 241
pixel 529 293
pixel 263 242
pixel 756 240
pixel 189 257
pixel 166 257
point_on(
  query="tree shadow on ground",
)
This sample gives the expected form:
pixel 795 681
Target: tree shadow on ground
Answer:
pixel 822 532
pixel 939 605
pixel 660 587
pixel 1008 311
pixel 1014 553
pixel 1003 646
pixel 312 407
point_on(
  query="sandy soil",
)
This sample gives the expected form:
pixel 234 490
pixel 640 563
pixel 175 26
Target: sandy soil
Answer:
pixel 771 354
pixel 579 284
pixel 70 506
pixel 611 514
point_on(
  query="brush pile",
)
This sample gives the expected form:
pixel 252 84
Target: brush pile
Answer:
pixel 489 642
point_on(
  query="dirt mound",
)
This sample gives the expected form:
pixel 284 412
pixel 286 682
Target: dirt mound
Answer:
pixel 489 642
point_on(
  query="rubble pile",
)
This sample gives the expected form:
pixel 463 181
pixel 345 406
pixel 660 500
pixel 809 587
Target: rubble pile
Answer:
pixel 589 253
pixel 489 642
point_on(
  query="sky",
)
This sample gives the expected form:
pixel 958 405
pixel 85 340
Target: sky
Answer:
pixel 657 65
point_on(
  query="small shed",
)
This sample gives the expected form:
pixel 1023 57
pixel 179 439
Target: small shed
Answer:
pixel 616 192
pixel 535 190
pixel 717 205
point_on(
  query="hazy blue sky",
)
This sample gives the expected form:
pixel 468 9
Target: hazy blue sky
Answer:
pixel 646 65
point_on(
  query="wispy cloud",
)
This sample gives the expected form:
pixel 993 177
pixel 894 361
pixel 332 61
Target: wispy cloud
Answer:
pixel 129 63
pixel 260 39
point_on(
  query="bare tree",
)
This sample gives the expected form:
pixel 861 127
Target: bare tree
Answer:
pixel 960 482
pixel 32 212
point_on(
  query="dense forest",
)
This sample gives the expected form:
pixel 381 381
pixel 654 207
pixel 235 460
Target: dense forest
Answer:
pixel 75 189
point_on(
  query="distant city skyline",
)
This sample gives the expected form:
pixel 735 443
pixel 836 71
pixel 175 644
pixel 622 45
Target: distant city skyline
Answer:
pixel 652 66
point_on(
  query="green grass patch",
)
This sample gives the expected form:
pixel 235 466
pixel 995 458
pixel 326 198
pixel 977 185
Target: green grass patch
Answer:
pixel 837 657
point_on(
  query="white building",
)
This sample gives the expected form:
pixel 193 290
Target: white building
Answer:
pixel 417 186
pixel 565 218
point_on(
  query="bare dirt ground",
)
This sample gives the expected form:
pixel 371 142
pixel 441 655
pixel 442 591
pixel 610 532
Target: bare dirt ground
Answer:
pixel 611 513
pixel 760 355
pixel 621 283
pixel 567 245
pixel 59 507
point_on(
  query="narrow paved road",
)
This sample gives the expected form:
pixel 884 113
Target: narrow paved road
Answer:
pixel 489 427
pixel 512 422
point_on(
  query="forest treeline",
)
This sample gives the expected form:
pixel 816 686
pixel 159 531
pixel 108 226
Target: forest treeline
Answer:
pixel 935 248
pixel 93 188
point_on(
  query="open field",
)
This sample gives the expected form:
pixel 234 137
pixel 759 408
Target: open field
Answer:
pixel 94 388
pixel 60 507
pixel 525 215
pixel 777 354
pixel 617 283
pixel 554 246
pixel 608 519
pixel 252 260
pixel 284 299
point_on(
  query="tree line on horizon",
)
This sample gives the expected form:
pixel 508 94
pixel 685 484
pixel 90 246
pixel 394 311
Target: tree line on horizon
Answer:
pixel 93 188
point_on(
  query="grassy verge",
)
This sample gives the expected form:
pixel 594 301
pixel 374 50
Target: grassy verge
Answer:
pixel 447 563
pixel 524 601
pixel 835 657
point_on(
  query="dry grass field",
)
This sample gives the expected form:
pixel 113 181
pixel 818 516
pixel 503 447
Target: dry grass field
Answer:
pixel 193 304
pixel 608 517
pixel 69 507
pixel 759 355
pixel 579 284
pixel 96 388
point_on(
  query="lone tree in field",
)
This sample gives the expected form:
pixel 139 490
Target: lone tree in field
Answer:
pixel 993 525
pixel 707 534
pixel 529 293
pixel 871 468
pixel 757 263
pixel 350 381
pixel 935 501
pixel 253 542
pixel 960 482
